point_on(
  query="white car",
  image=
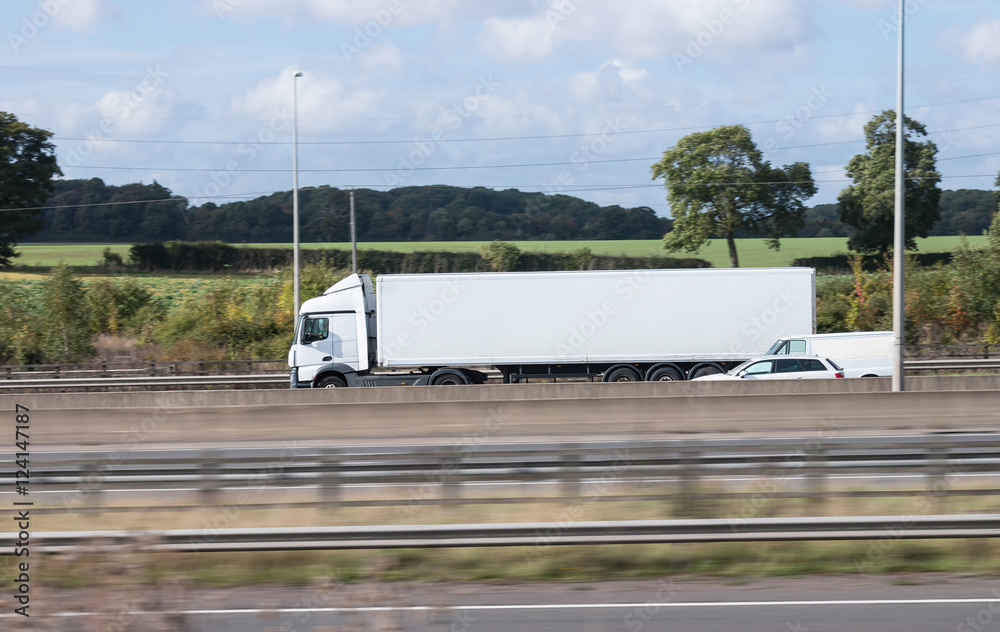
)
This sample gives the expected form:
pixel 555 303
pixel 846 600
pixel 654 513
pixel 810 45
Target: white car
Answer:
pixel 783 367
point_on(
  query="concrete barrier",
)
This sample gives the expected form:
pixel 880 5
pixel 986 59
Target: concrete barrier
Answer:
pixel 524 412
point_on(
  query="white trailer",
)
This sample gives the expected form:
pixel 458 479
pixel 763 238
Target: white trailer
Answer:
pixel 635 325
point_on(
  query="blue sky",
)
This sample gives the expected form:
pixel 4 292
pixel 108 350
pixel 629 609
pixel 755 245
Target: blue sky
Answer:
pixel 566 96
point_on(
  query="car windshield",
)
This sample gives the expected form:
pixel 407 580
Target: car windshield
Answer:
pixel 835 366
pixel 739 368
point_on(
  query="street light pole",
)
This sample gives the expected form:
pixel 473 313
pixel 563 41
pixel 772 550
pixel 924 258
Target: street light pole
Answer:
pixel 899 234
pixel 354 238
pixel 295 191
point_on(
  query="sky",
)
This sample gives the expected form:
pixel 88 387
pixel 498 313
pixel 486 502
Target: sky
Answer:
pixel 578 97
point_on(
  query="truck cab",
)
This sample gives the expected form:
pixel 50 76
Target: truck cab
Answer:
pixel 334 335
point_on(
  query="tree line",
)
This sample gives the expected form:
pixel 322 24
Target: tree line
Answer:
pixel 90 210
pixel 718 184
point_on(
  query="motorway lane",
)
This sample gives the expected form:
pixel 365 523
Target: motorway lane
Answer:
pixel 830 604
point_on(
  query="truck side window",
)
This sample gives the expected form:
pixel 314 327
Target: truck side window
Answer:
pixel 795 347
pixel 314 329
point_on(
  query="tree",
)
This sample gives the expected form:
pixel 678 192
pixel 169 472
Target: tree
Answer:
pixel 718 184
pixel 66 335
pixel 868 205
pixel 27 166
pixel 500 256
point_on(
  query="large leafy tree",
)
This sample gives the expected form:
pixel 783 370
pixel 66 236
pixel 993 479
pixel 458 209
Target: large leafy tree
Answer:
pixel 719 184
pixel 868 205
pixel 27 166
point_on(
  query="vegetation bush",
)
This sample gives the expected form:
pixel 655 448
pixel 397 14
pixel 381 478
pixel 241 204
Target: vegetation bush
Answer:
pixel 498 255
pixel 59 319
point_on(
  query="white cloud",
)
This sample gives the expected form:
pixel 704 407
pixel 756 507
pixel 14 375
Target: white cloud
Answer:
pixel 625 71
pixel 80 15
pixel 979 43
pixel 322 100
pixel 384 12
pixel 721 30
pixel 512 38
pixel 386 56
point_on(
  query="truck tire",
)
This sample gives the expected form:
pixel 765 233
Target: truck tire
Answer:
pixel 332 381
pixel 448 379
pixel 706 370
pixel 623 374
pixel 665 374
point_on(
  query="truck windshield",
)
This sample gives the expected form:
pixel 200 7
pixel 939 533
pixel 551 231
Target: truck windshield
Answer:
pixel 786 347
pixel 774 348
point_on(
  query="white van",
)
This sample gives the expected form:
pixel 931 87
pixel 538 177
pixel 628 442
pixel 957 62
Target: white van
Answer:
pixel 860 353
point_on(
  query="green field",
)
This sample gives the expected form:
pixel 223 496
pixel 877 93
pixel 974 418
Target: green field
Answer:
pixel 752 252
pixel 171 290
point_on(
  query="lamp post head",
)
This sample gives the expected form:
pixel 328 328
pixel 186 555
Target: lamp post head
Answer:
pixel 298 74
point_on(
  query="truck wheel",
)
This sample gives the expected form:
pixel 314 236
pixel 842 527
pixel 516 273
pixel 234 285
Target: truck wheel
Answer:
pixel 623 374
pixel 665 374
pixel 332 381
pixel 448 379
pixel 706 370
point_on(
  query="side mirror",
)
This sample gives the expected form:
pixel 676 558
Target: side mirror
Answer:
pixel 743 373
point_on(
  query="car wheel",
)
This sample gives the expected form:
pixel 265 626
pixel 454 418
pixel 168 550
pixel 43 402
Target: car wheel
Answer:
pixel 706 370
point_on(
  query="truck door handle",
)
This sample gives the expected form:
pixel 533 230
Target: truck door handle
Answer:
pixel 327 358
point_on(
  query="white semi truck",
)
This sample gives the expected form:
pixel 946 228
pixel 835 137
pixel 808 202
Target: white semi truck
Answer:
pixel 616 326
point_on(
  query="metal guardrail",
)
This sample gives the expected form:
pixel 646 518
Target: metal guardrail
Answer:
pixel 522 534
pixel 958 364
pixel 278 379
pixel 633 470
pixel 150 368
pixel 270 379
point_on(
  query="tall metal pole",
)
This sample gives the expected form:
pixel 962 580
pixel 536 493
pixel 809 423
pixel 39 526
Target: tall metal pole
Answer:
pixel 354 240
pixel 295 191
pixel 899 236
